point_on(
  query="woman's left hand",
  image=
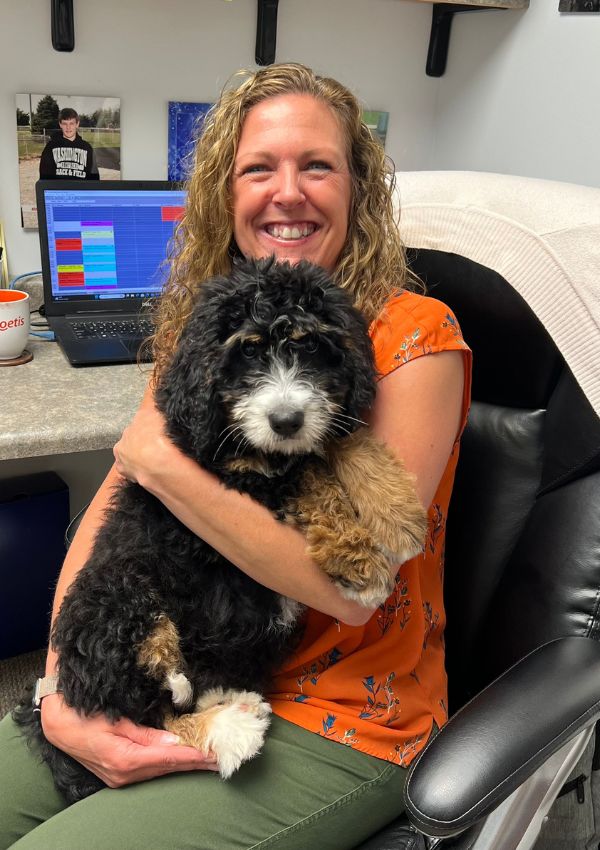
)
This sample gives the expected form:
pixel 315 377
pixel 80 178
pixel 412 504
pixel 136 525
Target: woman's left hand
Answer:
pixel 144 445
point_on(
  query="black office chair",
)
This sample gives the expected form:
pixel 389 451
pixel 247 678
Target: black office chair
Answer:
pixel 522 575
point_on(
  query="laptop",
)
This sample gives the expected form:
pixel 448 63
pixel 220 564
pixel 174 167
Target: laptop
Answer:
pixel 104 245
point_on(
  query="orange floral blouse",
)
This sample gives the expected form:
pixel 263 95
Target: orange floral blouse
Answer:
pixel 379 687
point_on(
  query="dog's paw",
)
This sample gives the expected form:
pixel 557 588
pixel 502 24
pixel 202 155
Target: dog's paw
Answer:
pixel 370 585
pixel 370 595
pixel 402 553
pixel 231 724
pixel 404 537
pixel 354 563
pixel 236 732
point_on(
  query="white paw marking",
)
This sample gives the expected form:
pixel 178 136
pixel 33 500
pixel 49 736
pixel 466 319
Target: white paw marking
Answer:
pixel 181 688
pixel 237 731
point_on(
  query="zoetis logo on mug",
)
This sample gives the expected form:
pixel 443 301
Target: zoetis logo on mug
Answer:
pixel 14 323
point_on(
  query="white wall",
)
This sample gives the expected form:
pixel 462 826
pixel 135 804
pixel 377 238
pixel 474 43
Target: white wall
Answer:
pixel 520 95
pixel 148 52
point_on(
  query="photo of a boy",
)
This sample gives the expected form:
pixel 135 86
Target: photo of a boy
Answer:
pixel 67 155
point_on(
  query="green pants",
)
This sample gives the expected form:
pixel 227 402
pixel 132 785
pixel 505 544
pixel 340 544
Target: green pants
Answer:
pixel 302 791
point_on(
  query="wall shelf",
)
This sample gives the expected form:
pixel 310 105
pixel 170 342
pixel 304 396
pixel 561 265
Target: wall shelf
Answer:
pixel 266 32
pixel 443 12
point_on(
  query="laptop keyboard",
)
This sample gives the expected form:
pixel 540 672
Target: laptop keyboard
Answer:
pixel 116 329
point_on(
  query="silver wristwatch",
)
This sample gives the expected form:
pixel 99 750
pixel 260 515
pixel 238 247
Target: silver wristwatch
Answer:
pixel 44 688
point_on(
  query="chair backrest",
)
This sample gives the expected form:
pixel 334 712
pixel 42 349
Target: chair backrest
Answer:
pixel 523 541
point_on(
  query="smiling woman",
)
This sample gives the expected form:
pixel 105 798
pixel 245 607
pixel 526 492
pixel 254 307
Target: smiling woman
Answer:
pixel 286 167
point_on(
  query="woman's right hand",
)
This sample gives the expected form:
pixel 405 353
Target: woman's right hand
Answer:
pixel 118 753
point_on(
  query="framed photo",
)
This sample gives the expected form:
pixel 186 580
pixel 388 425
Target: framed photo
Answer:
pixel 185 127
pixel 377 122
pixel 579 6
pixel 65 137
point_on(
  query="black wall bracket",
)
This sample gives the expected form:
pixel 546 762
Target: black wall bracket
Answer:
pixel 266 32
pixel 441 24
pixel 63 25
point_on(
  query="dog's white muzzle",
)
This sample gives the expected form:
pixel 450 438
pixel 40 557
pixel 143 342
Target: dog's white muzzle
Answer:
pixel 285 412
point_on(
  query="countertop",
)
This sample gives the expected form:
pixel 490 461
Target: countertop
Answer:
pixel 49 407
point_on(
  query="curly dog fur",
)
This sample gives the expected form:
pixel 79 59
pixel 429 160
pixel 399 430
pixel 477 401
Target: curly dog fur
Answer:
pixel 265 390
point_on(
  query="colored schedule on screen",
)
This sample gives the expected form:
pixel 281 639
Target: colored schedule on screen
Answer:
pixel 85 254
pixel 108 247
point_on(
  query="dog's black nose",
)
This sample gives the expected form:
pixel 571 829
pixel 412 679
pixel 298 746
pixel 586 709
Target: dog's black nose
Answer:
pixel 286 423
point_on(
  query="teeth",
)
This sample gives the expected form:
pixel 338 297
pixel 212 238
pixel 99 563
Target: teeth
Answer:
pixel 284 231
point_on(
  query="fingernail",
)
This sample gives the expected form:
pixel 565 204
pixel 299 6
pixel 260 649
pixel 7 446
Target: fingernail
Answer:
pixel 170 738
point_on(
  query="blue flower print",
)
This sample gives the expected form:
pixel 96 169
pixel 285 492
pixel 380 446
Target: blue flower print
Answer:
pixel 381 699
pixel 396 608
pixel 313 672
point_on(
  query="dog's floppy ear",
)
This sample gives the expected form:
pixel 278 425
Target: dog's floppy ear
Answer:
pixel 355 343
pixel 187 392
pixel 361 364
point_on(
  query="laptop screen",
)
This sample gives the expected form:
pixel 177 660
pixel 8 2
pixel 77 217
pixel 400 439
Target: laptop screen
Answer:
pixel 106 240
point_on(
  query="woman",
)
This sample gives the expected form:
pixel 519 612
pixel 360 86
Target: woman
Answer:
pixel 284 167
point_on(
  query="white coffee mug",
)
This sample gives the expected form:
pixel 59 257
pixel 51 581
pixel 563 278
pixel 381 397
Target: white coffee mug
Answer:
pixel 14 323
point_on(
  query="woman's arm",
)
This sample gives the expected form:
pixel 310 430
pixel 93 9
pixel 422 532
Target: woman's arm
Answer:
pixel 417 413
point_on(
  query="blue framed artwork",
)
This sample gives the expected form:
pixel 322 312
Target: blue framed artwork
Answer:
pixel 185 126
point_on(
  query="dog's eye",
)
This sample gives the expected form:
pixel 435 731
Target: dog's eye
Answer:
pixel 311 344
pixel 249 349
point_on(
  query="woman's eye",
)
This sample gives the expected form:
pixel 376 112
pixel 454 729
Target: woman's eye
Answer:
pixel 318 165
pixel 256 169
pixel 249 350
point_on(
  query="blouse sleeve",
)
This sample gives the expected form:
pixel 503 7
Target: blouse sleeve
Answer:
pixel 411 326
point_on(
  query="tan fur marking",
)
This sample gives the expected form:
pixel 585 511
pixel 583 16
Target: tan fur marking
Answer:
pixel 159 653
pixel 241 464
pixel 192 728
pixel 240 336
pixel 361 517
pixel 380 490
pixel 344 549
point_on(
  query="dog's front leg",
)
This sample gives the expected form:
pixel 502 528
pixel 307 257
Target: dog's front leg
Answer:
pixel 381 492
pixel 230 724
pixel 160 656
pixel 344 549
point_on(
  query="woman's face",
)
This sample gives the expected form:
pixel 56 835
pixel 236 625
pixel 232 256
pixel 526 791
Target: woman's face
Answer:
pixel 291 182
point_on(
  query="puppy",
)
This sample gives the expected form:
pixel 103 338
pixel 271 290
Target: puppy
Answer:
pixel 265 390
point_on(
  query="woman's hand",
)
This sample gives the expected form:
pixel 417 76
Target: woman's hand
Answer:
pixel 118 753
pixel 144 445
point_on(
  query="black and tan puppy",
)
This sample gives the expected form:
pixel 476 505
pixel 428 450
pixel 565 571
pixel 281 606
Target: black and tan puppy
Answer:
pixel 266 389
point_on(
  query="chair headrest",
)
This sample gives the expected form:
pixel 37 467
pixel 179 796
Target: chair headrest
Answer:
pixel 541 236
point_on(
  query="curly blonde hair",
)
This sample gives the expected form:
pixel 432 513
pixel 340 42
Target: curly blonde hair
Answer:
pixel 372 263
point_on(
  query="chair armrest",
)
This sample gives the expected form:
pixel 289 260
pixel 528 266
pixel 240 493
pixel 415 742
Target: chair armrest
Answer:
pixel 500 738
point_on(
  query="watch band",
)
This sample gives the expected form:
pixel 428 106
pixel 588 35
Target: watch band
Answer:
pixel 44 688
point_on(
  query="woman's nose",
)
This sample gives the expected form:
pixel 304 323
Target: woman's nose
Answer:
pixel 288 190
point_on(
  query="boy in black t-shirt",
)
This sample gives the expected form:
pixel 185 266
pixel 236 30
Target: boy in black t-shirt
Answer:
pixel 67 155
